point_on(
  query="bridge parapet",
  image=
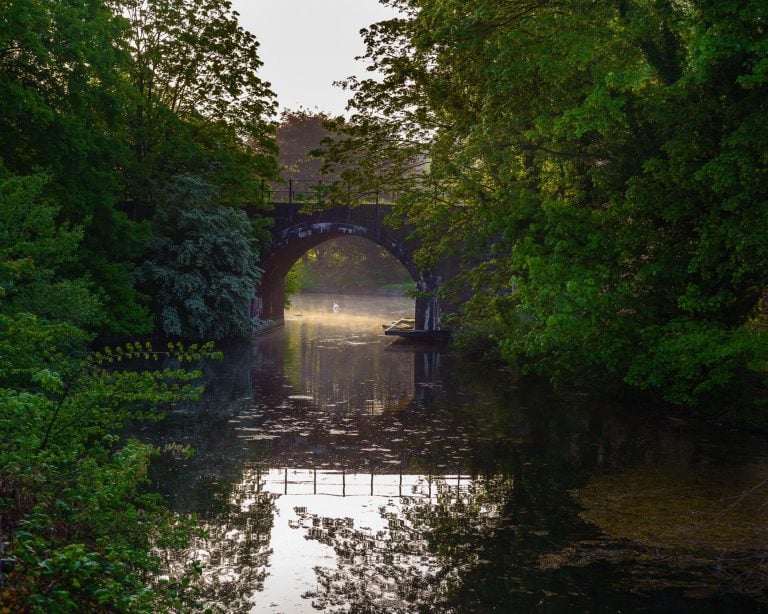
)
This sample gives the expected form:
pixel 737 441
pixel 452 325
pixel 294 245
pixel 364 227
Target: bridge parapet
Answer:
pixel 320 193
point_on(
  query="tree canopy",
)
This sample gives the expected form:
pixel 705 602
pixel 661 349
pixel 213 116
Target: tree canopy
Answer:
pixel 601 169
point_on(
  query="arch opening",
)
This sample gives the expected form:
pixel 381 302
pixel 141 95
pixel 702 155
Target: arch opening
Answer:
pixel 348 265
pixel 344 244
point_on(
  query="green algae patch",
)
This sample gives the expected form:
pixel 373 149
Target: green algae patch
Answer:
pixel 723 509
pixel 698 531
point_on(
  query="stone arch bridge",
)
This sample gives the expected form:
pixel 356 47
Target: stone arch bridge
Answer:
pixel 294 232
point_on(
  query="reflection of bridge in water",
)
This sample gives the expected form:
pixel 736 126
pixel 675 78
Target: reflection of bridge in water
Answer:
pixel 293 481
pixel 334 533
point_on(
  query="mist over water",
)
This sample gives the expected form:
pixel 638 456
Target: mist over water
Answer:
pixel 337 470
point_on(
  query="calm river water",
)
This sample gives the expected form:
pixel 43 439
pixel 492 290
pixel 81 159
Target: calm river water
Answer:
pixel 338 470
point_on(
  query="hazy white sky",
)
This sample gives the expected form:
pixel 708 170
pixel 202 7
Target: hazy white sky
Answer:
pixel 306 45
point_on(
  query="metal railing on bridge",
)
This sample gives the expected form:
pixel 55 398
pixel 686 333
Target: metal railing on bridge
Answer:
pixel 320 192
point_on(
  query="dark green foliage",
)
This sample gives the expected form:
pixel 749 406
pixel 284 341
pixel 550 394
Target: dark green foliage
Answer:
pixel 74 511
pixel 80 171
pixel 601 167
pixel 201 267
pixel 111 99
pixel 64 102
pixel 199 106
pixel 200 112
pixel 73 500
pixel 35 253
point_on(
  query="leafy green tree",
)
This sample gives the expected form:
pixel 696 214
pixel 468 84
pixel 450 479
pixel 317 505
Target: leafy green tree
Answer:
pixel 75 514
pixel 200 106
pixel 201 265
pixel 74 508
pixel 35 253
pixel 598 167
pixel 78 520
pixel 110 100
pixel 62 67
pixel 200 110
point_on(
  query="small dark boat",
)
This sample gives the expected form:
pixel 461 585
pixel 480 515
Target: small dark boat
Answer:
pixel 406 329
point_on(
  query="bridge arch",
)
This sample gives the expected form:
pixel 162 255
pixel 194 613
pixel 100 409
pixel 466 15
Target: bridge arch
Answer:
pixel 295 232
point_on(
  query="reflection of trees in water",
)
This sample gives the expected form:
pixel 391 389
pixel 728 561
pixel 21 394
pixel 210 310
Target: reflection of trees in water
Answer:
pixel 418 554
pixel 530 552
pixel 209 428
pixel 235 550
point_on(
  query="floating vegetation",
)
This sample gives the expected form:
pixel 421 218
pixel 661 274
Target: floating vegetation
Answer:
pixel 711 519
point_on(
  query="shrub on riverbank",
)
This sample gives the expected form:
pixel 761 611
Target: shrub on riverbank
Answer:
pixel 200 265
pixel 77 524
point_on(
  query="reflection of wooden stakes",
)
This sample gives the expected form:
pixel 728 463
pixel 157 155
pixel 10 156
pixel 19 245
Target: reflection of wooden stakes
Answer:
pixel 371 482
pixel 285 492
pixel 343 482
pixel 315 482
pixel 400 488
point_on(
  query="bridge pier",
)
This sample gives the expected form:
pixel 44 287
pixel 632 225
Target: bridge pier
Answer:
pixel 428 308
pixel 272 300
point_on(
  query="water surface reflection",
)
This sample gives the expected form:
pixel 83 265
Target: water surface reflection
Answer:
pixel 336 471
